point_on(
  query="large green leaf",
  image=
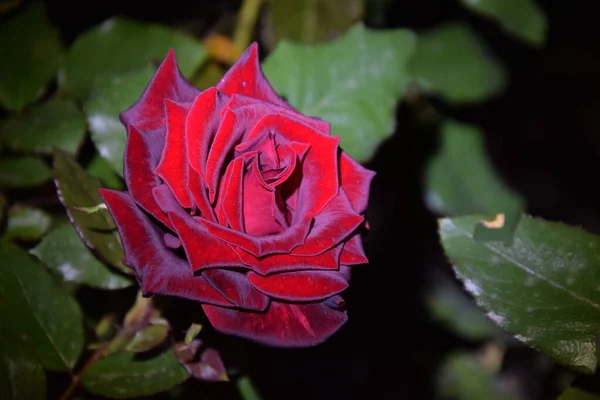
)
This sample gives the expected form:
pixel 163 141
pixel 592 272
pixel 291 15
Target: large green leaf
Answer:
pixel 35 310
pixel 120 376
pixel 65 254
pixel 56 123
pixel 99 168
pixel 352 82
pixel 573 393
pixel 312 20
pixel 119 44
pixel 77 188
pixel 543 288
pixel 451 61
pixel 461 180
pixel 21 375
pixel 110 96
pixel 26 223
pixel 22 172
pixel 30 50
pixel 523 19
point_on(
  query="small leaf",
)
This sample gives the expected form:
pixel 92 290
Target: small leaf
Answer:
pixel 246 389
pixel 26 223
pixel 23 377
pixel 352 82
pixel 22 172
pixel 120 44
pixel 30 56
pixel 148 338
pixel 110 95
pixel 35 310
pixel 56 123
pixel 101 170
pixel 523 19
pixel 543 289
pixel 451 61
pixel 192 333
pixel 461 180
pixel 573 393
pixel 312 21
pixel 66 255
pixel 76 188
pixel 120 376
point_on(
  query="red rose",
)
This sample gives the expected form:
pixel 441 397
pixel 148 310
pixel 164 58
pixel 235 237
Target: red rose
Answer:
pixel 238 201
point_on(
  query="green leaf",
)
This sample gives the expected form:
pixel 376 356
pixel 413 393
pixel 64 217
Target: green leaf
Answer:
pixel 523 19
pixel 35 310
pixel 246 389
pixel 30 49
pixel 543 289
pixel 121 376
pixel 27 223
pixel 100 169
pixel 22 172
pixel 573 393
pixel 452 61
pixel 352 82
pixel 312 20
pixel 110 96
pixel 65 254
pixel 56 123
pixel 120 44
pixel 148 338
pixel 76 188
pixel 461 180
pixel 23 377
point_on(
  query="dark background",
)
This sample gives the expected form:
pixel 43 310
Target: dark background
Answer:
pixel 543 136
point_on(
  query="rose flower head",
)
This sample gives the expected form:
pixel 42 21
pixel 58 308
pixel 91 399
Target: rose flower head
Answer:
pixel 238 201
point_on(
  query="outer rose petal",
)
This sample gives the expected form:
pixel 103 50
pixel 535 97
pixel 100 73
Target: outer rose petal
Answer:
pixel 353 252
pixel 282 325
pixel 167 84
pixel 300 286
pixel 157 268
pixel 355 181
pixel 236 288
pixel 245 77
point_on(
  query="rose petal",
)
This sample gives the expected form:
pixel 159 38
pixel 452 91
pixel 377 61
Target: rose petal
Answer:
pixel 203 250
pixel 157 268
pixel 299 286
pixel 353 252
pixel 236 288
pixel 355 181
pixel 142 154
pixel 282 325
pixel 245 77
pixel 229 206
pixel 258 206
pixel 168 83
pixel 174 167
pixel 200 196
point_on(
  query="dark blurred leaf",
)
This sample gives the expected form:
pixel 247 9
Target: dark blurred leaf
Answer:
pixel 26 223
pixel 523 19
pixel 312 20
pixel 148 338
pixel 246 389
pixel 65 254
pixel 3 205
pixel 451 61
pixel 543 289
pixel 353 82
pixel 120 376
pixel 100 169
pixel 8 5
pixel 573 393
pixel 30 50
pixel 22 172
pixel 35 310
pixel 120 44
pixel 209 75
pixel 76 188
pixel 56 123
pixel 461 180
pixel 21 375
pixel 111 95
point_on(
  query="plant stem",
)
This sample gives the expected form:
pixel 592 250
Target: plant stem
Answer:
pixel 246 21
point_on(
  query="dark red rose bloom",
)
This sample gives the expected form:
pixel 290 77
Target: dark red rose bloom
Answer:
pixel 238 201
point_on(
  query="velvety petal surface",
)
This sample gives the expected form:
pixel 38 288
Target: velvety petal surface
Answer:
pixel 300 286
pixel 157 268
pixel 353 252
pixel 236 288
pixel 282 324
pixel 167 84
pixel 355 181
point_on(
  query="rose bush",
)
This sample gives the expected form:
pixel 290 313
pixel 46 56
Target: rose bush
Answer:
pixel 236 200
